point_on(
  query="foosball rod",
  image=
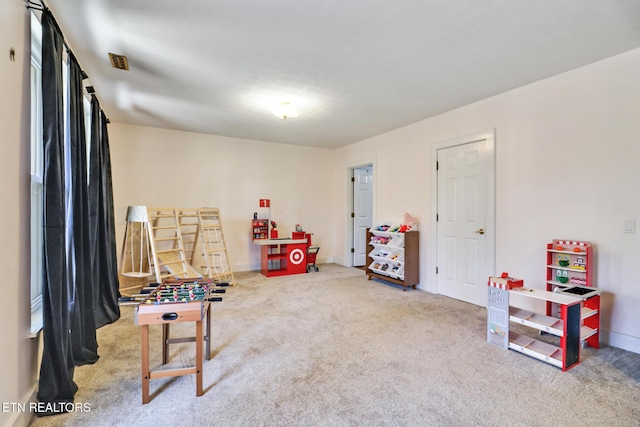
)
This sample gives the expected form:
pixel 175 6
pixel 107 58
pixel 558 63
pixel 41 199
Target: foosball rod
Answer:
pixel 154 286
pixel 145 291
pixel 168 294
pixel 138 299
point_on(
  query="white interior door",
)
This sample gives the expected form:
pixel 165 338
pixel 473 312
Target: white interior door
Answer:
pixel 464 220
pixel 362 212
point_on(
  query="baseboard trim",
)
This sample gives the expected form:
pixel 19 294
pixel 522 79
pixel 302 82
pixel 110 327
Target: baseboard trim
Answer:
pixel 622 341
pixel 23 418
pixel 255 266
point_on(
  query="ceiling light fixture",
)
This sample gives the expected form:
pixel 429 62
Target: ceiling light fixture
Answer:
pixel 286 110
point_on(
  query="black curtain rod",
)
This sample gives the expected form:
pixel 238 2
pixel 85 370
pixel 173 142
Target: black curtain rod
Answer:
pixel 41 7
pixel 35 6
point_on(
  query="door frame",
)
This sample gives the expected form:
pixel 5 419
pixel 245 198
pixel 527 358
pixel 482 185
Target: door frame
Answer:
pixel 490 190
pixel 348 256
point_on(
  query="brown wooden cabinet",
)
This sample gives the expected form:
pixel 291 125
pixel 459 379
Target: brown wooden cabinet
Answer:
pixel 393 257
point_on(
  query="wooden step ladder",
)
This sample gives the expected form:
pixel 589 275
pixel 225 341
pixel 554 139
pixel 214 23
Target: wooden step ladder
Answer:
pixel 216 265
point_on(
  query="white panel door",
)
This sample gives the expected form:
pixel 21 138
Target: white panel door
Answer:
pixel 362 212
pixel 461 223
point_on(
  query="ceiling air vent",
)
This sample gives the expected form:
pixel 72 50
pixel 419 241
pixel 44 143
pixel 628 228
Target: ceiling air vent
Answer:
pixel 119 61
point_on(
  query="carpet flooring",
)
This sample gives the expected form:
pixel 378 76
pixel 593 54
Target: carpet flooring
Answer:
pixel 334 349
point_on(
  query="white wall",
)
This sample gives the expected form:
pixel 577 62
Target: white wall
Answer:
pixel 166 168
pixel 18 357
pixel 567 167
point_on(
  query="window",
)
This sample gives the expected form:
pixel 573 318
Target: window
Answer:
pixel 37 172
pixel 37 167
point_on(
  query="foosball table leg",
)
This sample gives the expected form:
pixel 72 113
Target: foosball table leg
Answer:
pixel 207 337
pixel 165 343
pixel 199 338
pixel 145 364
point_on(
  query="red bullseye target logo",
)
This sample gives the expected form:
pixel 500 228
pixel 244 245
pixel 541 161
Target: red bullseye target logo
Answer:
pixel 296 256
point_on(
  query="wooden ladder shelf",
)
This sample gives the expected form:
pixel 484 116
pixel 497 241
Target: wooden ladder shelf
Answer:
pixel 167 242
pixel 216 264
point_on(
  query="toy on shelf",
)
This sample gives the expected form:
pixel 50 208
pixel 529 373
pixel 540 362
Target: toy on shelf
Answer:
pixel 383 227
pixel 562 276
pixel 380 240
pixel 408 224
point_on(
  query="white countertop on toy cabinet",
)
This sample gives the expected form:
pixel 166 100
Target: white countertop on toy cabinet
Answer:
pixel 556 297
pixel 283 241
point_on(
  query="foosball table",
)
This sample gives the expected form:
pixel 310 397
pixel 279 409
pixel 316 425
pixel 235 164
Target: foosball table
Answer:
pixel 175 300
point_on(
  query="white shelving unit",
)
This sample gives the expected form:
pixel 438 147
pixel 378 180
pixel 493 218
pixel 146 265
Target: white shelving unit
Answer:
pixel 505 306
pixel 541 322
pixel 566 327
pixel 393 255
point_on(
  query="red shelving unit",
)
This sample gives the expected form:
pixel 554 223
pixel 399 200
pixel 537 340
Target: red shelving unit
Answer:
pixel 570 271
pixel 260 228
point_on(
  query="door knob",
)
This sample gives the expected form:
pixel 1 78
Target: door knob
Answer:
pixel 480 231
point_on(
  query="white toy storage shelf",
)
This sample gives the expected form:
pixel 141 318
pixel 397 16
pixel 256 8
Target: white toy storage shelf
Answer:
pixel 393 255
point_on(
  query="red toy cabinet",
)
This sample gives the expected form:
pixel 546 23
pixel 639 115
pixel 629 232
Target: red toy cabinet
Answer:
pixel 570 272
pixel 280 257
pixel 569 262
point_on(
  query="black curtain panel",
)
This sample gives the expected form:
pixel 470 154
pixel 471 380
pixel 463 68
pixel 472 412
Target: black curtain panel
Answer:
pixel 94 184
pixel 83 324
pixel 106 283
pixel 56 370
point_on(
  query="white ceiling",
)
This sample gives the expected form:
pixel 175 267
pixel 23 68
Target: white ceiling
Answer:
pixel 356 68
